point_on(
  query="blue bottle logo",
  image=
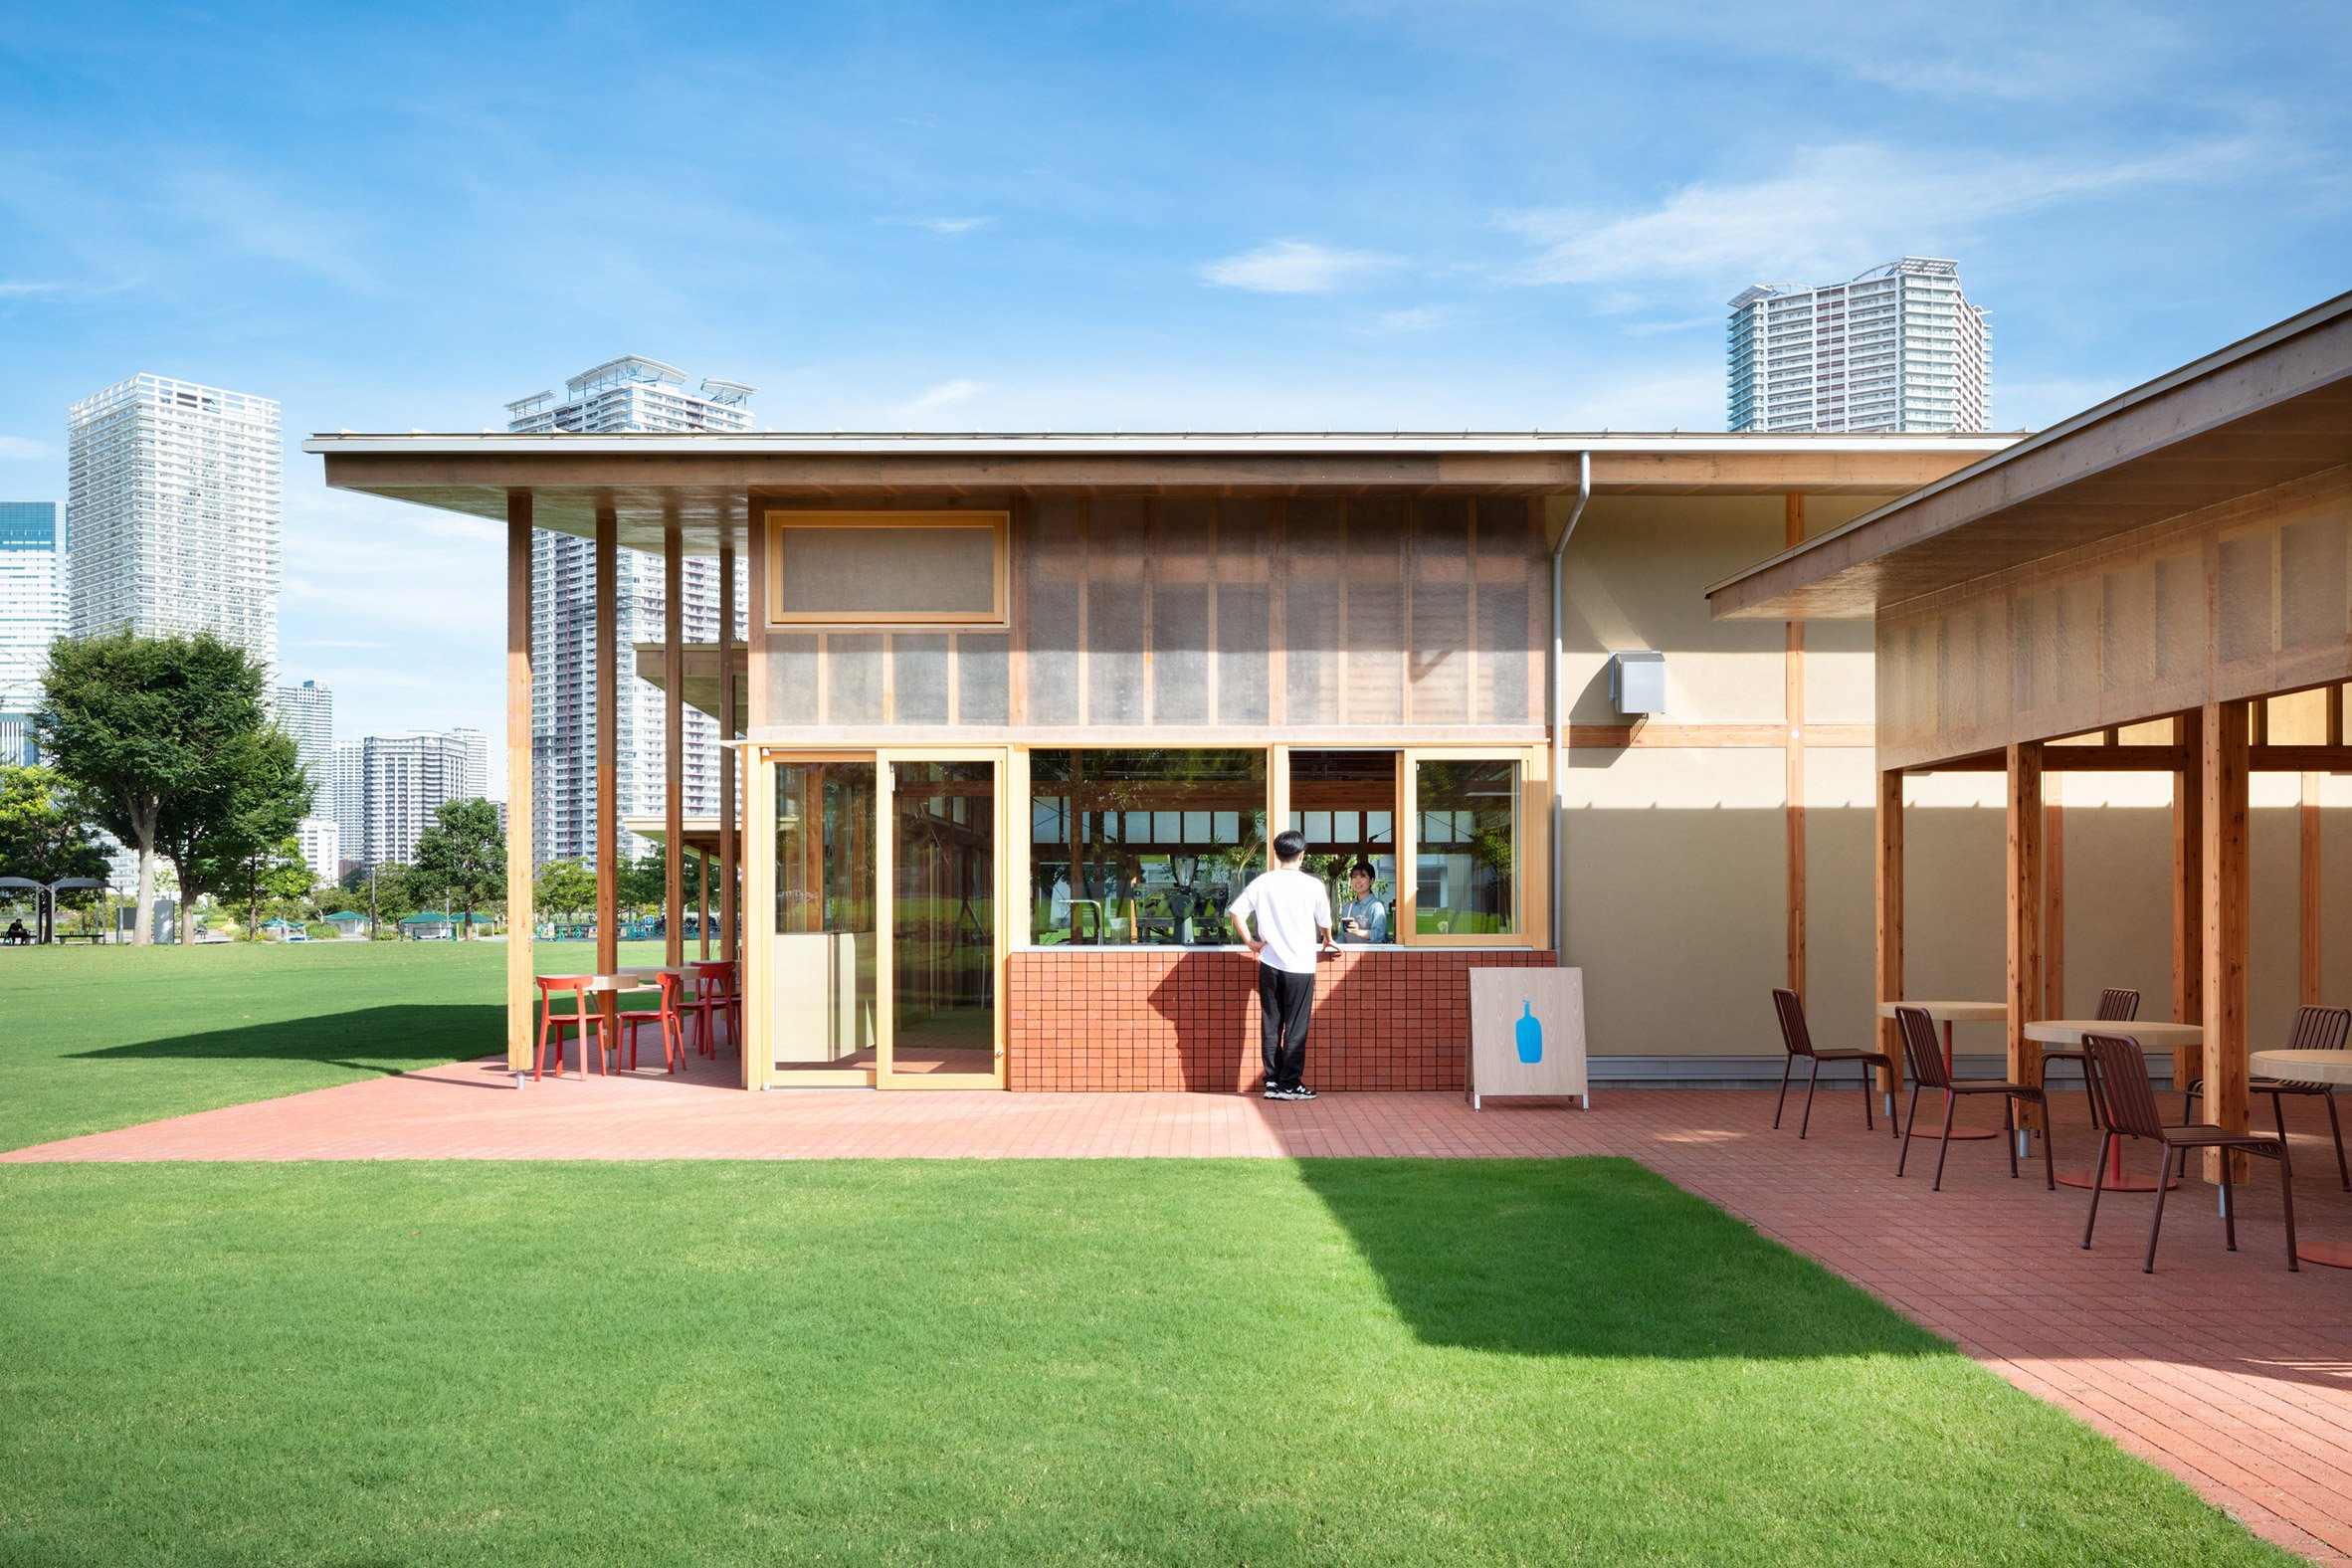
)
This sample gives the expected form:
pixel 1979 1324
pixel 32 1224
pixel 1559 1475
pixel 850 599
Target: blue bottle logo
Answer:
pixel 1530 1030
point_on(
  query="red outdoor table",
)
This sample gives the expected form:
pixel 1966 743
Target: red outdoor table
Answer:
pixel 2310 1066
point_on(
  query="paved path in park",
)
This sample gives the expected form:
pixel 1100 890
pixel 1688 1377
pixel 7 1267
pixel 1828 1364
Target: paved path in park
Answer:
pixel 2223 1367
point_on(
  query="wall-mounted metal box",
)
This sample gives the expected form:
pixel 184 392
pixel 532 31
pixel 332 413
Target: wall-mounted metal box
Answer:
pixel 1637 681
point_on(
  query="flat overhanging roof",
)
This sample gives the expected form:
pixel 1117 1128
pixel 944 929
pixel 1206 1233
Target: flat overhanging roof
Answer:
pixel 702 482
pixel 2266 411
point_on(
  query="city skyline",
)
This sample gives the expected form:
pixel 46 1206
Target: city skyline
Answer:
pixel 949 224
pixel 1897 347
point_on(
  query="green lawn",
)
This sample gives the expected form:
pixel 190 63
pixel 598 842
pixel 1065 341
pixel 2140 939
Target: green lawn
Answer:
pixel 92 1039
pixel 1017 1362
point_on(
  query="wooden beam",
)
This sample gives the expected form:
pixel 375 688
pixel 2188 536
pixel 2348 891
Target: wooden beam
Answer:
pixel 519 901
pixel 2308 822
pixel 1888 897
pixel 2188 898
pixel 2227 927
pixel 674 745
pixel 2025 889
pixel 1793 761
pixel 2054 878
pixel 608 751
pixel 730 941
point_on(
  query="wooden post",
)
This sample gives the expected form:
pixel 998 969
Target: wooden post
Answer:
pixel 730 941
pixel 2023 771
pixel 2307 821
pixel 2054 878
pixel 2188 895
pixel 1889 895
pixel 673 743
pixel 608 751
pixel 2227 881
pixel 1793 755
pixel 520 901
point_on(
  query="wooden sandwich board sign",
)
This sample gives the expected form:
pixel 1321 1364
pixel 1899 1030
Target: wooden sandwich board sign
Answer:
pixel 1528 1034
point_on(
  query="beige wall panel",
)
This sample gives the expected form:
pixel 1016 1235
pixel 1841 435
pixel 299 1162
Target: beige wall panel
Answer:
pixel 2274 978
pixel 1954 943
pixel 1839 961
pixel 1840 681
pixel 1675 898
pixel 1637 572
pixel 2335 897
pixel 2118 901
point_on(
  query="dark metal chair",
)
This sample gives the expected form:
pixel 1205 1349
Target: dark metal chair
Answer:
pixel 1799 1040
pixel 2116 1005
pixel 2132 1114
pixel 1926 1056
pixel 2314 1029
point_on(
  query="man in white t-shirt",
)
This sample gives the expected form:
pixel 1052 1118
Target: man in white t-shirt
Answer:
pixel 1292 915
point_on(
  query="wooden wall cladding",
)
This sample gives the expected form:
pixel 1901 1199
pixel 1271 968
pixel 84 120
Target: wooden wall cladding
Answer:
pixel 2234 602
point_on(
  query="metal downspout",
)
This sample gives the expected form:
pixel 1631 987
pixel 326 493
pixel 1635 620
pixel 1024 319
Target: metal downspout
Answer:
pixel 1559 769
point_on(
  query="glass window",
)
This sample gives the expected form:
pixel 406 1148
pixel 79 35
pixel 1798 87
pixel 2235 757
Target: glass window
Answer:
pixel 1345 803
pixel 1144 848
pixel 1466 847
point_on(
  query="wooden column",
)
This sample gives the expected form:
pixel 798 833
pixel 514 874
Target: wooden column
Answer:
pixel 519 901
pixel 2025 895
pixel 2054 880
pixel 1890 896
pixel 730 941
pixel 673 743
pixel 2227 930
pixel 1792 753
pixel 2188 895
pixel 608 750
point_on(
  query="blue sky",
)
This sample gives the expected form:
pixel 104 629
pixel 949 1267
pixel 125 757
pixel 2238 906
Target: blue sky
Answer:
pixel 1090 216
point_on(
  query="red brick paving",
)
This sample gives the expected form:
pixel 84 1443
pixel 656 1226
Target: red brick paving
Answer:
pixel 2223 1368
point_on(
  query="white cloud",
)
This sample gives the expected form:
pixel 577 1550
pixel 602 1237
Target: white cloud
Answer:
pixel 19 290
pixel 1419 320
pixel 1291 266
pixel 944 395
pixel 24 447
pixel 1831 213
pixel 952 226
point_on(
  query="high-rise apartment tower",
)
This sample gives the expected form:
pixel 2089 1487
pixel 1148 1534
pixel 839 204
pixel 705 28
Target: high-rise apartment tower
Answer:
pixel 1898 347
pixel 31 613
pixel 174 491
pixel 629 394
pixel 387 787
pixel 307 712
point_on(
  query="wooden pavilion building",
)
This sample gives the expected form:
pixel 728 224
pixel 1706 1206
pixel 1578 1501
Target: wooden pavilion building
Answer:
pixel 2162 584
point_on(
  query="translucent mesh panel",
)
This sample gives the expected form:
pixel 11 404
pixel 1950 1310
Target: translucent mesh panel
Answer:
pixel 2311 563
pixel 2244 597
pixel 2037 650
pixel 1505 636
pixel 853 678
pixel 1116 530
pixel 839 573
pixel 1244 568
pixel 1313 538
pixel 1375 611
pixel 1438 668
pixel 918 677
pixel 2127 623
pixel 1180 689
pixel 1053 567
pixel 2180 614
pixel 982 667
pixel 792 679
pixel 2078 639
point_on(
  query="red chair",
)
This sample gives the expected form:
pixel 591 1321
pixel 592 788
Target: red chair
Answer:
pixel 665 1015
pixel 583 1017
pixel 717 990
pixel 2132 1114
pixel 1926 1055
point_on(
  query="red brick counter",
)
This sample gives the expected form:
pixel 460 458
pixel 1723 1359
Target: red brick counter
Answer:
pixel 1386 1018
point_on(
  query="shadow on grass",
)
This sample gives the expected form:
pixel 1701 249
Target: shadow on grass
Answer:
pixel 384 1039
pixel 1591 1257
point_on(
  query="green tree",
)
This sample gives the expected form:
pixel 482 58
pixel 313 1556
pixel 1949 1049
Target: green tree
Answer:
pixel 170 745
pixel 281 876
pixel 43 833
pixel 564 887
pixel 463 854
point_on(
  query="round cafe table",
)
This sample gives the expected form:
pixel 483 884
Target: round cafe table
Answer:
pixel 2310 1066
pixel 2153 1039
pixel 1948 1014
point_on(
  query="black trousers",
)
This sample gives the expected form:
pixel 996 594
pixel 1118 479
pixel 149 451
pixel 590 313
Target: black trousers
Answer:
pixel 1285 1004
